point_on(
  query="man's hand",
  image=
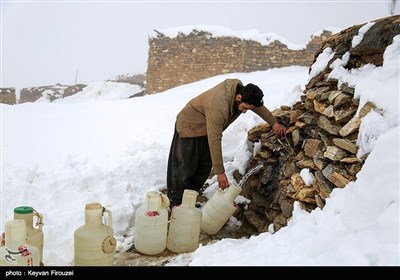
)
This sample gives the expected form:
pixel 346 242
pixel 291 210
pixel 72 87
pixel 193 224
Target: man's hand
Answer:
pixel 278 129
pixel 222 181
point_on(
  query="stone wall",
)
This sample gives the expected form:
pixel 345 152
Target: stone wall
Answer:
pixel 49 93
pixel 7 96
pixel 189 58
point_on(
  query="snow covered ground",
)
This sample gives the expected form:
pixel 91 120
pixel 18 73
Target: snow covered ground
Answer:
pixel 56 157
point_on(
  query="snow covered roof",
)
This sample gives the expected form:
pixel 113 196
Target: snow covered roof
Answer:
pixel 219 31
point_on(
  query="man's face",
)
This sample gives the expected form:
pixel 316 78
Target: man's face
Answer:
pixel 243 107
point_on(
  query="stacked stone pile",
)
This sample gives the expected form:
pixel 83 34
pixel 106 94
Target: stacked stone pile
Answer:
pixel 321 137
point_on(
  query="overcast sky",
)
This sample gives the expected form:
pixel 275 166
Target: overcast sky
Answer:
pixel 47 42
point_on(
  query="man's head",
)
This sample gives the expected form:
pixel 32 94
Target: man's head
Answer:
pixel 248 97
pixel 252 95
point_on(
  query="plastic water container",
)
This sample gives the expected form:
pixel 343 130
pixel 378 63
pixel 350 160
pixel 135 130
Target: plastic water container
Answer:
pixel 94 242
pixel 220 207
pixel 184 228
pixel 16 252
pixel 34 235
pixel 151 225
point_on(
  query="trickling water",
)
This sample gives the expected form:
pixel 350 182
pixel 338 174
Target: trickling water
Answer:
pixel 249 173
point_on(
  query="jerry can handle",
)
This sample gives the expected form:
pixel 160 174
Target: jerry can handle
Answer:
pixel 109 217
pixel 39 221
pixel 164 200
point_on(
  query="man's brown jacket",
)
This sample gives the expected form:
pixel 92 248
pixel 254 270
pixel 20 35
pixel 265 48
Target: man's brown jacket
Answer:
pixel 210 113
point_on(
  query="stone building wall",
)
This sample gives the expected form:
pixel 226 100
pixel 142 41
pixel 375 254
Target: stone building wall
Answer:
pixel 7 96
pixel 189 58
pixel 49 93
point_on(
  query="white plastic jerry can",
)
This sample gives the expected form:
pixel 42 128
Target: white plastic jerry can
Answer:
pixel 34 235
pixel 220 207
pixel 151 225
pixel 16 252
pixel 184 228
pixel 94 242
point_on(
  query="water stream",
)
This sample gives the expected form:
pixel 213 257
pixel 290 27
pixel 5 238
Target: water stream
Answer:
pixel 249 173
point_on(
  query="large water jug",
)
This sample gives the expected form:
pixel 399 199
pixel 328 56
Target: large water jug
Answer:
pixel 151 224
pixel 16 252
pixel 34 235
pixel 94 242
pixel 220 207
pixel 184 227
